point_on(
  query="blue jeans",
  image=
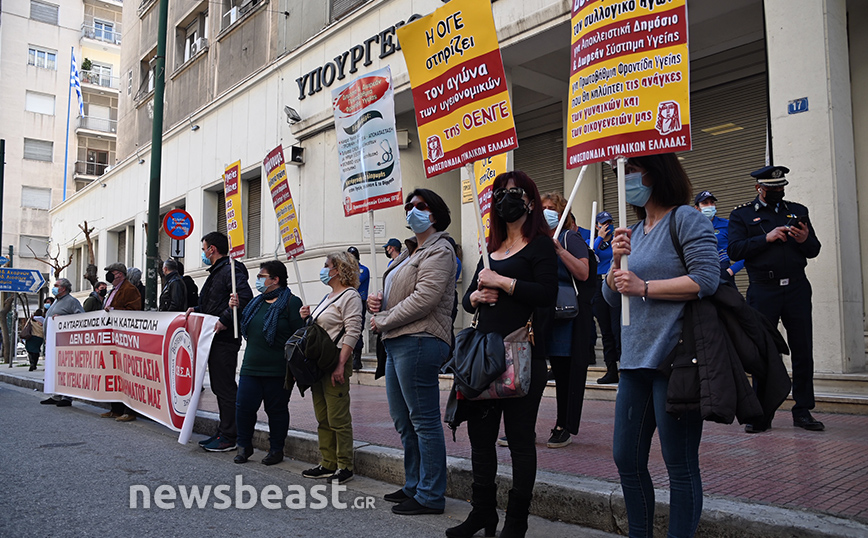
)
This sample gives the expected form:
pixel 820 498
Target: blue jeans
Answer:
pixel 413 389
pixel 253 391
pixel 640 408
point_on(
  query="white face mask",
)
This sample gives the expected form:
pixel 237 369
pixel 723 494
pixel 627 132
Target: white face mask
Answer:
pixel 551 218
pixel 709 211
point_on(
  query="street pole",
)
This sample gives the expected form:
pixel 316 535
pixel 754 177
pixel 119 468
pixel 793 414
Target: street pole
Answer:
pixel 2 182
pixel 153 234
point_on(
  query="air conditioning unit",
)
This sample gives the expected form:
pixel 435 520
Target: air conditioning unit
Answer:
pixel 198 46
pixel 230 17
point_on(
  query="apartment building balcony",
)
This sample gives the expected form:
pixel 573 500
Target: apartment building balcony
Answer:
pixel 99 127
pixel 89 171
pixel 98 79
pixel 101 33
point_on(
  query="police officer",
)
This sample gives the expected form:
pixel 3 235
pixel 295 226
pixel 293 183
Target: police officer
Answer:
pixel 775 239
pixel 608 317
pixel 706 203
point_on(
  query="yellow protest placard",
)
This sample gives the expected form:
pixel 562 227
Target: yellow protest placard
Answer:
pixel 484 172
pixel 284 207
pixel 459 88
pixel 629 80
pixel 234 224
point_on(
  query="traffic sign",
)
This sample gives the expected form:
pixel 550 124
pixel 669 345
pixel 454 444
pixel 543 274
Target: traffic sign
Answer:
pixel 178 248
pixel 178 224
pixel 20 280
pixel 4 260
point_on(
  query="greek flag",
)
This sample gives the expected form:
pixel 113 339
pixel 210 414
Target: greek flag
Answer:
pixel 76 83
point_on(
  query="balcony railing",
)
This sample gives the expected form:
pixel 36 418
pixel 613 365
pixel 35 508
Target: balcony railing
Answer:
pixel 105 35
pixel 98 124
pixel 99 79
pixel 90 169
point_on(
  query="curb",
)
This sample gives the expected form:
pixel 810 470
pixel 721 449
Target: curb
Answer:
pixel 578 500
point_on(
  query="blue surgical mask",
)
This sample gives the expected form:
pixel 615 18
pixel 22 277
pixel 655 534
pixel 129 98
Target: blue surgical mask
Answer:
pixel 709 211
pixel 205 259
pixel 47 306
pixel 637 193
pixel 418 220
pixel 551 218
pixel 260 285
pixel 324 275
pixel 55 290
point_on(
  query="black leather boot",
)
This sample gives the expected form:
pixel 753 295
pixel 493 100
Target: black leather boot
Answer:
pixel 483 515
pixel 517 510
pixel 611 375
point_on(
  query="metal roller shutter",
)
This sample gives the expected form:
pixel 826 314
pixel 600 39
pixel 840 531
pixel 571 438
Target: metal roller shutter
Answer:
pixel 221 211
pixel 253 224
pixel 729 142
pixel 542 158
pixel 122 247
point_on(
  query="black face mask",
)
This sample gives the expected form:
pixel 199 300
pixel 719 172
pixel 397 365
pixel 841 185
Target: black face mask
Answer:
pixel 102 292
pixel 109 277
pixel 774 197
pixel 388 255
pixel 510 208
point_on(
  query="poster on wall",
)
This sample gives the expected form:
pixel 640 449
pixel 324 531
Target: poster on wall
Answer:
pixel 370 170
pixel 462 105
pixel 629 91
pixel 234 224
pixel 147 360
pixel 284 207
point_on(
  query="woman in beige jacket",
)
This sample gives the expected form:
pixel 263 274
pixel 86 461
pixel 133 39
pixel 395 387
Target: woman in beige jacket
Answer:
pixel 414 317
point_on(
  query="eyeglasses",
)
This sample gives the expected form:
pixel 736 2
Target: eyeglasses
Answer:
pixel 421 206
pixel 515 192
pixel 260 275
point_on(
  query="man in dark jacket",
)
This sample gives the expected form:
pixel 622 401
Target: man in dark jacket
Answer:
pixel 96 297
pixel 223 360
pixel 174 295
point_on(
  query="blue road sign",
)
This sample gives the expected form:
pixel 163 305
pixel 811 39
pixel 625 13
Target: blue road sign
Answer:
pixel 4 260
pixel 20 280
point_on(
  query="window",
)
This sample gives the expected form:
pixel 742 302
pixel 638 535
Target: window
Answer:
pixel 343 7
pixel 38 244
pixel 36 197
pixel 130 82
pixel 43 12
pixel 100 75
pixel 253 216
pixel 235 9
pixel 192 36
pixel 190 44
pixel 40 103
pixel 38 150
pixel 42 58
pixel 97 162
pixel 104 31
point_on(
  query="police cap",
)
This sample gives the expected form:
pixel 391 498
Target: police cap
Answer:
pixel 771 176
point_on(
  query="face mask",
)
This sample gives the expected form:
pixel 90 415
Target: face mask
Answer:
pixel 260 285
pixel 55 290
pixel 511 208
pixel 324 275
pixel 774 197
pixel 205 259
pixel 388 255
pixel 109 277
pixel 637 193
pixel 102 293
pixel 709 211
pixel 551 218
pixel 418 220
pixel 47 306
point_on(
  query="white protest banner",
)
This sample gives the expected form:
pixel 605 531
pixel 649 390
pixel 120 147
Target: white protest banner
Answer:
pixel 147 360
pixel 367 142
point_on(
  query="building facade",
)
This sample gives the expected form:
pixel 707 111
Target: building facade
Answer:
pixel 37 39
pixel 234 67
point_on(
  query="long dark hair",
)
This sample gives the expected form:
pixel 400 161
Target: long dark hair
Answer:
pixel 534 225
pixel 436 205
pixel 671 186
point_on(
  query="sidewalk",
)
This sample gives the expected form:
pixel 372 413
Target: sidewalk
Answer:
pixel 796 470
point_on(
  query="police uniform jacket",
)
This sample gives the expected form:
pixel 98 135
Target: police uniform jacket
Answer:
pixel 748 226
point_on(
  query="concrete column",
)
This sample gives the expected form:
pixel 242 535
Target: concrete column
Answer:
pixel 808 57
pixel 857 14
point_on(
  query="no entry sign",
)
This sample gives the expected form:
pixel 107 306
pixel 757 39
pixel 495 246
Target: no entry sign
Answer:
pixel 178 224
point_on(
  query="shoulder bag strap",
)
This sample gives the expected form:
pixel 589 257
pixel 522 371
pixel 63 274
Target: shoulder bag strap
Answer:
pixel 572 278
pixel 673 233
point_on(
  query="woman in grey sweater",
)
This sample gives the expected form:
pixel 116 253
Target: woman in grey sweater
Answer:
pixel 658 286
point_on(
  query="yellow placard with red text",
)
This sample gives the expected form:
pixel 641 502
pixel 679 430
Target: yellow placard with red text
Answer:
pixel 459 88
pixel 234 224
pixel 484 172
pixel 629 80
pixel 284 207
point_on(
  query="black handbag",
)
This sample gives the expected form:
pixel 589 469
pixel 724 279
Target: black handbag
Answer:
pixel 567 306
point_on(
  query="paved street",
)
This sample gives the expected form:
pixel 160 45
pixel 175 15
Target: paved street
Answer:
pixel 67 472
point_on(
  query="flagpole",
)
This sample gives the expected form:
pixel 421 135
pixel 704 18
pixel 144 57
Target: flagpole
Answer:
pixel 68 103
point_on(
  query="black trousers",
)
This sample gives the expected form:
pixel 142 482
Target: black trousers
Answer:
pixel 791 304
pixel 609 319
pixel 222 363
pixel 519 421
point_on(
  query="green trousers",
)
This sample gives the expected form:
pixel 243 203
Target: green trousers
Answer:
pixel 331 405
